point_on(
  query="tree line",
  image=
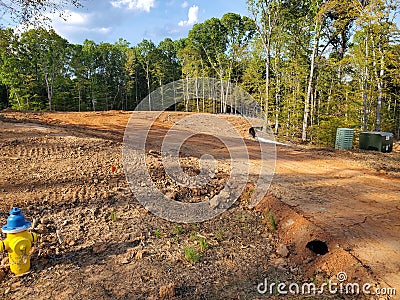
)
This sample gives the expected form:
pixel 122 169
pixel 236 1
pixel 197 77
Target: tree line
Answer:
pixel 313 66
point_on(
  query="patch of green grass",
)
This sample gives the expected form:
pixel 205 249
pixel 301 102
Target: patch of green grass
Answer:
pixel 113 216
pixel 177 230
pixel 219 235
pixel 157 233
pixel 193 235
pixel 192 255
pixel 195 228
pixel 203 244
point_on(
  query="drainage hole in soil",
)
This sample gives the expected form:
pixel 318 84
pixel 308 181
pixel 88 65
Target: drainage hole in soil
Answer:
pixel 318 247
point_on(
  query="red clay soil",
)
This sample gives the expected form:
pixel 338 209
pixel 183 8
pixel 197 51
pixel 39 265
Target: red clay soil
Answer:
pixel 357 207
pixel 348 199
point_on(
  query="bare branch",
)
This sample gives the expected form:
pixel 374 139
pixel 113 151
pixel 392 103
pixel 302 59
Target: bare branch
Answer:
pixel 34 12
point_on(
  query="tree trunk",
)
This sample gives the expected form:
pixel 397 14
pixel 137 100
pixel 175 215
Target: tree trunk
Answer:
pixel 197 95
pixel 46 79
pixel 49 85
pixel 79 99
pixel 380 90
pixel 148 84
pixel 365 88
pixel 310 82
pixel 398 128
pixel 222 95
pixel 187 94
pixel 162 94
pixel 265 31
pixel 203 93
pixel 267 62
pixel 277 97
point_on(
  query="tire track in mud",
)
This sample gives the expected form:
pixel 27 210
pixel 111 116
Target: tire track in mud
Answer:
pixel 35 151
pixel 71 195
pixel 41 152
pixel 81 194
pixel 57 169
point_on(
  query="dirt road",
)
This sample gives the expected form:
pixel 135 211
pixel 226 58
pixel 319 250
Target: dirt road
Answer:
pixel 357 206
pixel 59 167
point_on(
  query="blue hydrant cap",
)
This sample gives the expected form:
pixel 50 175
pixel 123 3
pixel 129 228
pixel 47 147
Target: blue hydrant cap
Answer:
pixel 16 222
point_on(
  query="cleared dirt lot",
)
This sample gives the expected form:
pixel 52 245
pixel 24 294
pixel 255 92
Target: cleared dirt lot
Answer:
pixel 65 171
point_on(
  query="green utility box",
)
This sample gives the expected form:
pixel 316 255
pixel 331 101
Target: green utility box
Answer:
pixel 344 138
pixel 380 141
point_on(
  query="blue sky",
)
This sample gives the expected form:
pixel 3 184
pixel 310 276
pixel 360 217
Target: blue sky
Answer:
pixel 135 20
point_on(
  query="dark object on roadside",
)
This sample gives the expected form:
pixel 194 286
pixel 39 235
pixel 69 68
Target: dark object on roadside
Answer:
pixel 252 132
pixel 318 247
pixel 273 126
pixel 379 141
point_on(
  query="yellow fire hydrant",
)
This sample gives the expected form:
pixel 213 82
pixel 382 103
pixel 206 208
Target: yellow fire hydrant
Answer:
pixel 18 242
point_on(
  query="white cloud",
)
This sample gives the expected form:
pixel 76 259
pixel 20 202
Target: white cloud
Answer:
pixel 73 29
pixel 185 4
pixel 102 30
pixel 75 18
pixel 144 5
pixel 193 16
pixel 67 19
